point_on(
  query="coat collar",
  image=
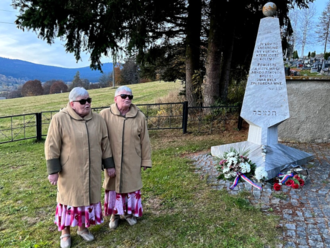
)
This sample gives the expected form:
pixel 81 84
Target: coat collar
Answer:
pixel 75 116
pixel 133 110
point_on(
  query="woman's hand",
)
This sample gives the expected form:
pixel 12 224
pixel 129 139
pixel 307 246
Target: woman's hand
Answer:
pixel 53 178
pixel 111 172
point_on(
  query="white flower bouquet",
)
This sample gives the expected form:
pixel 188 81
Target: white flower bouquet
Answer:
pixel 261 174
pixel 233 163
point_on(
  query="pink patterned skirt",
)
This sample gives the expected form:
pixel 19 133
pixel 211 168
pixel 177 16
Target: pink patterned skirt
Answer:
pixel 77 216
pixel 123 204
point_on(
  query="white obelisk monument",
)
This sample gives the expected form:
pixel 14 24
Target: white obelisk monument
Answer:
pixel 265 103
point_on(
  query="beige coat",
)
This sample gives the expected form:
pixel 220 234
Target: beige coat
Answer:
pixel 76 148
pixel 131 148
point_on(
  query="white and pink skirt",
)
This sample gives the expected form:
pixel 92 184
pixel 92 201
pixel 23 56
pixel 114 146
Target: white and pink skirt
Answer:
pixel 78 216
pixel 123 204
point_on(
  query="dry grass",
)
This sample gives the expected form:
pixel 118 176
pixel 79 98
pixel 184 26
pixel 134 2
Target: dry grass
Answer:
pixel 173 96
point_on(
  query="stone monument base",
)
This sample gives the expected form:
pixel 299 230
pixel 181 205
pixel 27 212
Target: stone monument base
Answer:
pixel 276 158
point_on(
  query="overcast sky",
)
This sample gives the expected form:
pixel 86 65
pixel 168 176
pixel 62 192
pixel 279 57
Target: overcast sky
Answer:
pixel 16 44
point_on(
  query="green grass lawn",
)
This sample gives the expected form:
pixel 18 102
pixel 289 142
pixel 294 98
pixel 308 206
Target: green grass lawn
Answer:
pixel 20 127
pixel 180 209
pixel 143 93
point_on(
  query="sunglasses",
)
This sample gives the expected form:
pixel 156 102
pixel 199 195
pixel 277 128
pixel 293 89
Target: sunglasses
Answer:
pixel 83 101
pixel 124 96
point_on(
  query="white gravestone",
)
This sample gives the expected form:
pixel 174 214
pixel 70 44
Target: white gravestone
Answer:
pixel 265 105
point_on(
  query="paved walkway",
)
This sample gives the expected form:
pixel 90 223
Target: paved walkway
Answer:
pixel 305 212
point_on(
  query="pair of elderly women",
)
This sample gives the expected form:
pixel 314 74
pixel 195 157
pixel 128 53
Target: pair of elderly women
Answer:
pixel 79 145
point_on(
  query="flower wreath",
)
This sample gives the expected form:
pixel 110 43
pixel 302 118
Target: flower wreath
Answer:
pixel 235 165
pixel 291 179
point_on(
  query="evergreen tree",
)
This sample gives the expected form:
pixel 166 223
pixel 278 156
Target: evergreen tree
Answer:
pixel 78 82
pixel 295 55
pixel 313 54
pixel 227 29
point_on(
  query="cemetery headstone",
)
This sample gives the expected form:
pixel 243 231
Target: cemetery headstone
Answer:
pixel 265 103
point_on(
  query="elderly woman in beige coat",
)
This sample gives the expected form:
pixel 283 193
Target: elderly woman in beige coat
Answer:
pixel 129 139
pixel 77 148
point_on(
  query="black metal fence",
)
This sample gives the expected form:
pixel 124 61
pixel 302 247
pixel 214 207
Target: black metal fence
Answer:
pixel 213 119
pixel 159 116
pixel 19 127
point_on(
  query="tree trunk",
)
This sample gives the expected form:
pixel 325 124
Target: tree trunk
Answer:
pixel 213 62
pixel 192 49
pixel 226 70
pixel 326 38
pixel 227 58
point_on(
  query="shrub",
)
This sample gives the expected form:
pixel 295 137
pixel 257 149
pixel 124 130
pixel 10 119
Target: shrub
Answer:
pixel 32 88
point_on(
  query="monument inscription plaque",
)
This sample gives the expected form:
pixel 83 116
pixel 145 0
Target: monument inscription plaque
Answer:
pixel 266 100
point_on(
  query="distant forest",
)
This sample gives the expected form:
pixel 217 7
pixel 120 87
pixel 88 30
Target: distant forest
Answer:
pixel 13 71
pixel 17 82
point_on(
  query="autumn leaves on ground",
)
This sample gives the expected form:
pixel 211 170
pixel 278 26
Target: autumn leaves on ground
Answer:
pixel 179 208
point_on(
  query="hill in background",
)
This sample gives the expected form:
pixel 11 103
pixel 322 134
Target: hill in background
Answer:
pixel 22 71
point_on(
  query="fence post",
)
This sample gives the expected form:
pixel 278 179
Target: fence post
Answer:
pixel 240 119
pixel 39 126
pixel 240 122
pixel 185 116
